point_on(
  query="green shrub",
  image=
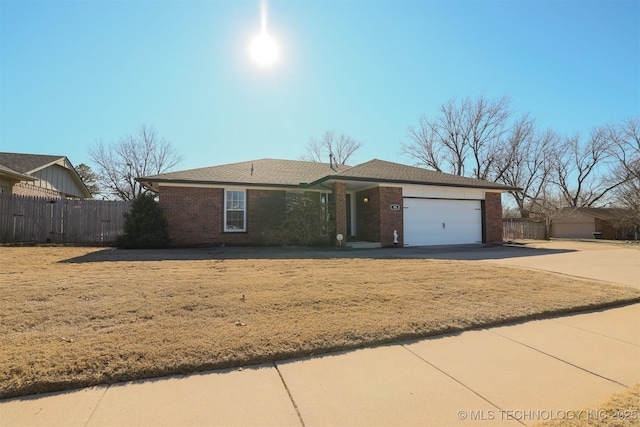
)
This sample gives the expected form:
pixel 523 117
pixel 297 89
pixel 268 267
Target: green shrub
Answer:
pixel 145 226
pixel 293 219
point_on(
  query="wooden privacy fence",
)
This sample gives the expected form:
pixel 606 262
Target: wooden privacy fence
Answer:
pixel 44 220
pixel 523 228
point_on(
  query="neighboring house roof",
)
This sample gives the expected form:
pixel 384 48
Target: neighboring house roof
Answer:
pixel 288 173
pixel 14 175
pixel 28 163
pixel 29 166
pixel 605 214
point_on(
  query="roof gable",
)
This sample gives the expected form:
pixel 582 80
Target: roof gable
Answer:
pixel 28 163
pixel 31 165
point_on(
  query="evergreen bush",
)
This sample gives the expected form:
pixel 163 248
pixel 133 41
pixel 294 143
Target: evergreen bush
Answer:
pixel 145 226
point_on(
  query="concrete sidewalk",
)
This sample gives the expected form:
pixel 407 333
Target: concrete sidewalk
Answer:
pixel 510 375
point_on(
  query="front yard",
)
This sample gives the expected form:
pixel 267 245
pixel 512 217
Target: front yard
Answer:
pixel 68 321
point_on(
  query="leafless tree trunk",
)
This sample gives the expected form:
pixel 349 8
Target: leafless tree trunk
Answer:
pixel 547 205
pixel 582 171
pixel 133 156
pixel 426 149
pixel 487 124
pixel 338 148
pixel 465 138
pixel 625 148
pixel 528 162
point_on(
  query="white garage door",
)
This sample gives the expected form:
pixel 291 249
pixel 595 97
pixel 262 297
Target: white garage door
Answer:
pixel 442 222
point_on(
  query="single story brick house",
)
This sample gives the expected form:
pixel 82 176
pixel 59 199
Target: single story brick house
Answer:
pixel 378 201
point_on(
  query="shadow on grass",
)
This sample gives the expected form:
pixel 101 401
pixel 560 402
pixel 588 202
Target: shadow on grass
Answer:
pixel 460 252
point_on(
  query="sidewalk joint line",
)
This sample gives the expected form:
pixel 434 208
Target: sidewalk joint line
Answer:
pixel 560 360
pixel 455 379
pixel 595 333
pixel 97 404
pixel 293 402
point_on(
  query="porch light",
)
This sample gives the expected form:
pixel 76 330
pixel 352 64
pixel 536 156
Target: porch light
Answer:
pixel 366 200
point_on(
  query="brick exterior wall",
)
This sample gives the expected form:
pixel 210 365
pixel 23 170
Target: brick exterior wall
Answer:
pixel 196 216
pixel 391 220
pixel 609 231
pixel 24 189
pixel 340 200
pixel 368 215
pixel 492 218
pixel 375 219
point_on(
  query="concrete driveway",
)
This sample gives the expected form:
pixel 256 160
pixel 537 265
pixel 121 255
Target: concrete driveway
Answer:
pixel 608 262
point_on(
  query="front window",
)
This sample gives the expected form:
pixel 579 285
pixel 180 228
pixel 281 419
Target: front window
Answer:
pixel 235 212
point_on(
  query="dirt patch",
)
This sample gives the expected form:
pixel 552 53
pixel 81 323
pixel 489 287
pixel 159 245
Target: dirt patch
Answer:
pixel 73 317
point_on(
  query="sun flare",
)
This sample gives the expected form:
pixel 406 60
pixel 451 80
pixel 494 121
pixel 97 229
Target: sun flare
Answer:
pixel 264 49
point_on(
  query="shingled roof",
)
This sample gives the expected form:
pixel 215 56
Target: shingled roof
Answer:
pixel 13 174
pixel 294 173
pixel 383 171
pixel 605 214
pixel 268 172
pixel 28 167
pixel 27 163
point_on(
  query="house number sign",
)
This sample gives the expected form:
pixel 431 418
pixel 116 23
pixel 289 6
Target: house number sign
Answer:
pixel 395 207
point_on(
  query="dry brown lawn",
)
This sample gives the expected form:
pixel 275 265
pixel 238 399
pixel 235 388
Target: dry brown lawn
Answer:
pixel 65 323
pixel 619 410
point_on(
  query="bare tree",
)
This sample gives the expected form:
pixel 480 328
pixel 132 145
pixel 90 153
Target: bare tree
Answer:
pixel 627 198
pixel 487 121
pixel 466 137
pixel 120 163
pixel 625 148
pixel 426 149
pixel 337 147
pixel 547 206
pixel 528 161
pixel 583 171
pixel 624 144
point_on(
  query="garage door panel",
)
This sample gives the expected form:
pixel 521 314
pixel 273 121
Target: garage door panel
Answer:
pixel 442 222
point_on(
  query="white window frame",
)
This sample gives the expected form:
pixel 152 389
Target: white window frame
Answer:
pixel 243 210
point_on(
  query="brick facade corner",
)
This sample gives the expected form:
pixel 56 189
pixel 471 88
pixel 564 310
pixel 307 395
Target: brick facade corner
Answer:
pixel 340 200
pixel 492 218
pixel 375 218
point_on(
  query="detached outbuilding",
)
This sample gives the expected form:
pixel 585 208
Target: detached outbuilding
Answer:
pixel 386 203
pixel 589 223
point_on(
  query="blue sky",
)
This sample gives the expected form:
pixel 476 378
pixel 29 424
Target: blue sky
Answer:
pixel 75 72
